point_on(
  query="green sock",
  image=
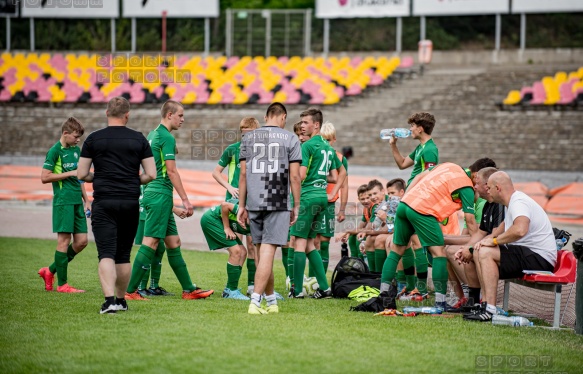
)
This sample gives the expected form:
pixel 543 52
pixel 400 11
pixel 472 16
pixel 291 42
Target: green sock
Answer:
pixel 390 267
pixel 440 274
pixel 314 258
pixel 299 266
pixel 284 253
pixel 178 265
pixel 144 282
pixel 157 265
pixel 233 275
pixel 400 276
pixel 380 257
pixel 251 269
pixel 311 271
pixel 61 265
pixel 70 256
pixel 421 266
pixel 290 265
pixel 409 269
pixel 353 245
pixel 142 264
pixel 372 263
pixel 325 254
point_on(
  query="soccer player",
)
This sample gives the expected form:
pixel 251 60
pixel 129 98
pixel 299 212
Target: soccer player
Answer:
pixel 156 267
pixel 328 132
pixel 318 160
pixel 432 197
pixel 350 235
pixel 422 158
pixel 158 202
pixel 270 158
pixel 69 204
pixel 230 158
pixel 117 154
pixel 219 226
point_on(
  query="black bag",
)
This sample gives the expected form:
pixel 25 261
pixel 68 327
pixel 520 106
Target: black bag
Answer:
pixel 562 234
pixel 378 304
pixel 351 273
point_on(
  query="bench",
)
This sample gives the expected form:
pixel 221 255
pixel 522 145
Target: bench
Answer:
pixel 564 273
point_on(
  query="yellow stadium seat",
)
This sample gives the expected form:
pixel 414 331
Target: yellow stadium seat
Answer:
pixel 280 96
pixel 560 77
pixel 512 98
pixel 57 94
pixel 214 98
pixel 189 98
pixel 240 98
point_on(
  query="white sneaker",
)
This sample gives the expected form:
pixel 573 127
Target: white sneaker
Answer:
pixel 287 283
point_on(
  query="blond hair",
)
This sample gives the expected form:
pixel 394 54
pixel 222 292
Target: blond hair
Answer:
pixel 249 123
pixel 328 131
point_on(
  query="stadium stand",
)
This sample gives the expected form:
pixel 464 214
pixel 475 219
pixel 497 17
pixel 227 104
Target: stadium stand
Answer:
pixel 563 90
pixel 91 78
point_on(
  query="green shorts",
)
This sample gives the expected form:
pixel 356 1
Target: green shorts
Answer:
pixel 159 218
pixel 214 233
pixel 409 222
pixel 140 232
pixel 328 221
pixel 70 219
pixel 310 217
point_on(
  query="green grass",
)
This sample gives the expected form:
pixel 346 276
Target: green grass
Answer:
pixel 51 332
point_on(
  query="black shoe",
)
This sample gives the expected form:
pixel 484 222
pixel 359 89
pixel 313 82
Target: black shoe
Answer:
pixel 319 294
pixel 122 306
pixel 474 309
pixel 159 291
pixel 292 294
pixel 143 293
pixel 484 316
pixel 108 309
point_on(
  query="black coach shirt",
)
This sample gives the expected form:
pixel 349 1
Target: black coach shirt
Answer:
pixel 117 153
pixel 492 217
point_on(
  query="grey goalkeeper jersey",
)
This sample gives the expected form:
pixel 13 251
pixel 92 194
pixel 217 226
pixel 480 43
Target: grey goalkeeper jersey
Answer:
pixel 268 152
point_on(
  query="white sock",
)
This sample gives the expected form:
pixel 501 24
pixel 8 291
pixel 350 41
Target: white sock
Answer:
pixel 466 290
pixel 385 287
pixel 491 308
pixel 256 299
pixel 439 298
pixel 271 300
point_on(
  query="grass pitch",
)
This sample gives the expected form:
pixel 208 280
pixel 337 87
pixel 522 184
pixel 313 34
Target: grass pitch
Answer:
pixel 51 332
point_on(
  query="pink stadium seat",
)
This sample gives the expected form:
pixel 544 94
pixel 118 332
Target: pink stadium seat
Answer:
pixel 180 61
pixel 265 97
pixel 137 97
pixel 293 97
pixel 5 95
pixel 158 91
pixel 339 91
pixel 227 94
pixel 566 91
pixel 538 94
pixel 232 61
pixel 9 77
pixel 96 95
pixel 355 61
pixel 283 59
pixel 317 97
pixel 406 62
pixel 354 89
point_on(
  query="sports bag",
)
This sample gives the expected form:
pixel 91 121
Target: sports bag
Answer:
pixel 351 273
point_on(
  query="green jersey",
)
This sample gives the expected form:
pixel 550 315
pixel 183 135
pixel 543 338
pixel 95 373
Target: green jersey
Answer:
pixel 163 148
pixel 319 158
pixel 478 208
pixel 60 160
pixel 215 212
pixel 141 202
pixel 230 158
pixel 424 156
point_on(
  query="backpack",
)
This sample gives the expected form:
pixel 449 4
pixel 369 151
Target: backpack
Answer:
pixel 363 293
pixel 562 234
pixel 378 304
pixel 351 273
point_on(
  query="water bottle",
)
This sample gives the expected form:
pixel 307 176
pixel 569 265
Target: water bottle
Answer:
pixel 378 223
pixel 511 321
pixel 397 133
pixel 422 310
pixel 344 250
pixel 561 243
pixel 88 213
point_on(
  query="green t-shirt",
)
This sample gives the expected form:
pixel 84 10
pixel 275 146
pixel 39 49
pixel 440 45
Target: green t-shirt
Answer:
pixel 60 160
pixel 141 202
pixel 424 156
pixel 465 195
pixel 478 208
pixel 230 158
pixel 163 148
pixel 319 158
pixel 233 223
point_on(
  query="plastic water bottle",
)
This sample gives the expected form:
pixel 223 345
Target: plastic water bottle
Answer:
pixel 422 310
pixel 511 321
pixel 88 213
pixel 389 206
pixel 344 250
pixel 561 243
pixel 397 133
pixel 378 223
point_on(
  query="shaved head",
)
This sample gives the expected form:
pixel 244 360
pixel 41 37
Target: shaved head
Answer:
pixel 500 187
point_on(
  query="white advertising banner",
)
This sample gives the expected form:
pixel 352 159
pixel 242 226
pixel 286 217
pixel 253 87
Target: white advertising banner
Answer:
pixel 457 7
pixel 362 8
pixel 546 6
pixel 173 8
pixel 70 8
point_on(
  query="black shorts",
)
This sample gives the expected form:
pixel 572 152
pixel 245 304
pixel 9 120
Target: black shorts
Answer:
pixel 516 258
pixel 114 224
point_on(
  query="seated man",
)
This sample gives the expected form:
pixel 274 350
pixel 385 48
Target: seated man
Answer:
pixel 527 227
